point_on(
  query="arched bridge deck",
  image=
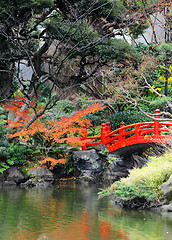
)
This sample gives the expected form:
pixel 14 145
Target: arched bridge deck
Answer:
pixel 134 136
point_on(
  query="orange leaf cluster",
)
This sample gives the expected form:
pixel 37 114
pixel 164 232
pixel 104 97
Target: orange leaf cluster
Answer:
pixel 53 161
pixel 67 130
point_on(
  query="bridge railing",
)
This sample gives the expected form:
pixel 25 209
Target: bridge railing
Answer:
pixel 131 132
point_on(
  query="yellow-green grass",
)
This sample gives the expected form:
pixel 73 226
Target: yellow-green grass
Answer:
pixel 144 181
pixel 153 174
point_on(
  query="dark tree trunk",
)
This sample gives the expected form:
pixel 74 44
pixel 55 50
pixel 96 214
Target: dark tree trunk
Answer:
pixel 5 83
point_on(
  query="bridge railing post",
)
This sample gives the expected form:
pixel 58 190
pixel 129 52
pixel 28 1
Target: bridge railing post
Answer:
pixel 137 133
pixel 121 132
pixel 108 127
pixel 157 126
pixel 103 133
pixel 108 130
pixel 84 136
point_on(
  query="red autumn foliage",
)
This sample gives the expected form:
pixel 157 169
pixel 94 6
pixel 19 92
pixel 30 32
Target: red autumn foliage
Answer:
pixel 66 130
pixel 53 161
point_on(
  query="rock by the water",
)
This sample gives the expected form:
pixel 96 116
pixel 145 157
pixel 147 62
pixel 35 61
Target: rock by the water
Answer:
pixel 38 177
pixel 89 164
pixel 140 203
pixel 114 172
pixel 166 208
pixel 33 182
pixel 138 161
pixel 1 179
pixel 9 184
pixel 102 151
pixel 42 173
pixel 166 189
pixel 119 167
pixel 97 165
pixel 14 175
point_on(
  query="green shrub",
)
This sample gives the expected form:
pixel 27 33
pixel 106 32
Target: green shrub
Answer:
pixel 15 154
pixel 122 191
pixel 3 121
pixel 131 191
pixel 20 155
pixel 98 118
pixel 128 117
pixel 4 163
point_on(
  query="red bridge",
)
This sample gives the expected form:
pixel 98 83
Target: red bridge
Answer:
pixel 137 135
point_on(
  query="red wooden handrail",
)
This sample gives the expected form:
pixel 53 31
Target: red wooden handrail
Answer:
pixel 131 134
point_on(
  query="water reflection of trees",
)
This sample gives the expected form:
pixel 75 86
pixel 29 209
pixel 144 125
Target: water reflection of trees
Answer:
pixel 70 213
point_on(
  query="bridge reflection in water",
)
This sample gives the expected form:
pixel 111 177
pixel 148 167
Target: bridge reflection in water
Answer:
pixel 131 138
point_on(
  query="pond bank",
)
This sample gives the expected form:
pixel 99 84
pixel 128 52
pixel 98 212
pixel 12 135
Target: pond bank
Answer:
pixel 92 166
pixel 95 166
pixel 149 187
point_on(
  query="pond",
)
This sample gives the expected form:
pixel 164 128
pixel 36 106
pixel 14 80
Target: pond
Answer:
pixel 72 212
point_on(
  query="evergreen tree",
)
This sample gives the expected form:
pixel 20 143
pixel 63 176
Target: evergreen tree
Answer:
pixel 70 30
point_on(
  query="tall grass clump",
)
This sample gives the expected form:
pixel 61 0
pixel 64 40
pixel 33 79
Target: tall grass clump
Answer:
pixel 154 173
pixel 143 182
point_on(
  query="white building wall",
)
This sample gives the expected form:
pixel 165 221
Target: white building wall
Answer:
pixel 158 21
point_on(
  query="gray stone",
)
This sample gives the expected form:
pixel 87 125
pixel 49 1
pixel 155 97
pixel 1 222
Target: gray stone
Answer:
pixel 89 164
pixel 97 165
pixel 114 173
pixel 33 182
pixel 28 184
pixel 94 166
pixel 140 203
pixel 9 184
pixel 13 174
pixel 121 174
pixel 38 177
pixel 116 169
pixel 112 158
pixel 139 161
pixel 102 150
pixel 87 160
pixel 1 177
pixel 166 189
pixel 41 173
pixel 167 208
pixel 86 176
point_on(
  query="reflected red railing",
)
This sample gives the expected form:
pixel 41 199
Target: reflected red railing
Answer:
pixel 144 132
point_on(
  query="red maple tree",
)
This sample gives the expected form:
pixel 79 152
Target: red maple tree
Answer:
pixel 66 130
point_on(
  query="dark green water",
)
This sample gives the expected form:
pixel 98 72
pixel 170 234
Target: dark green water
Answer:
pixel 74 213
